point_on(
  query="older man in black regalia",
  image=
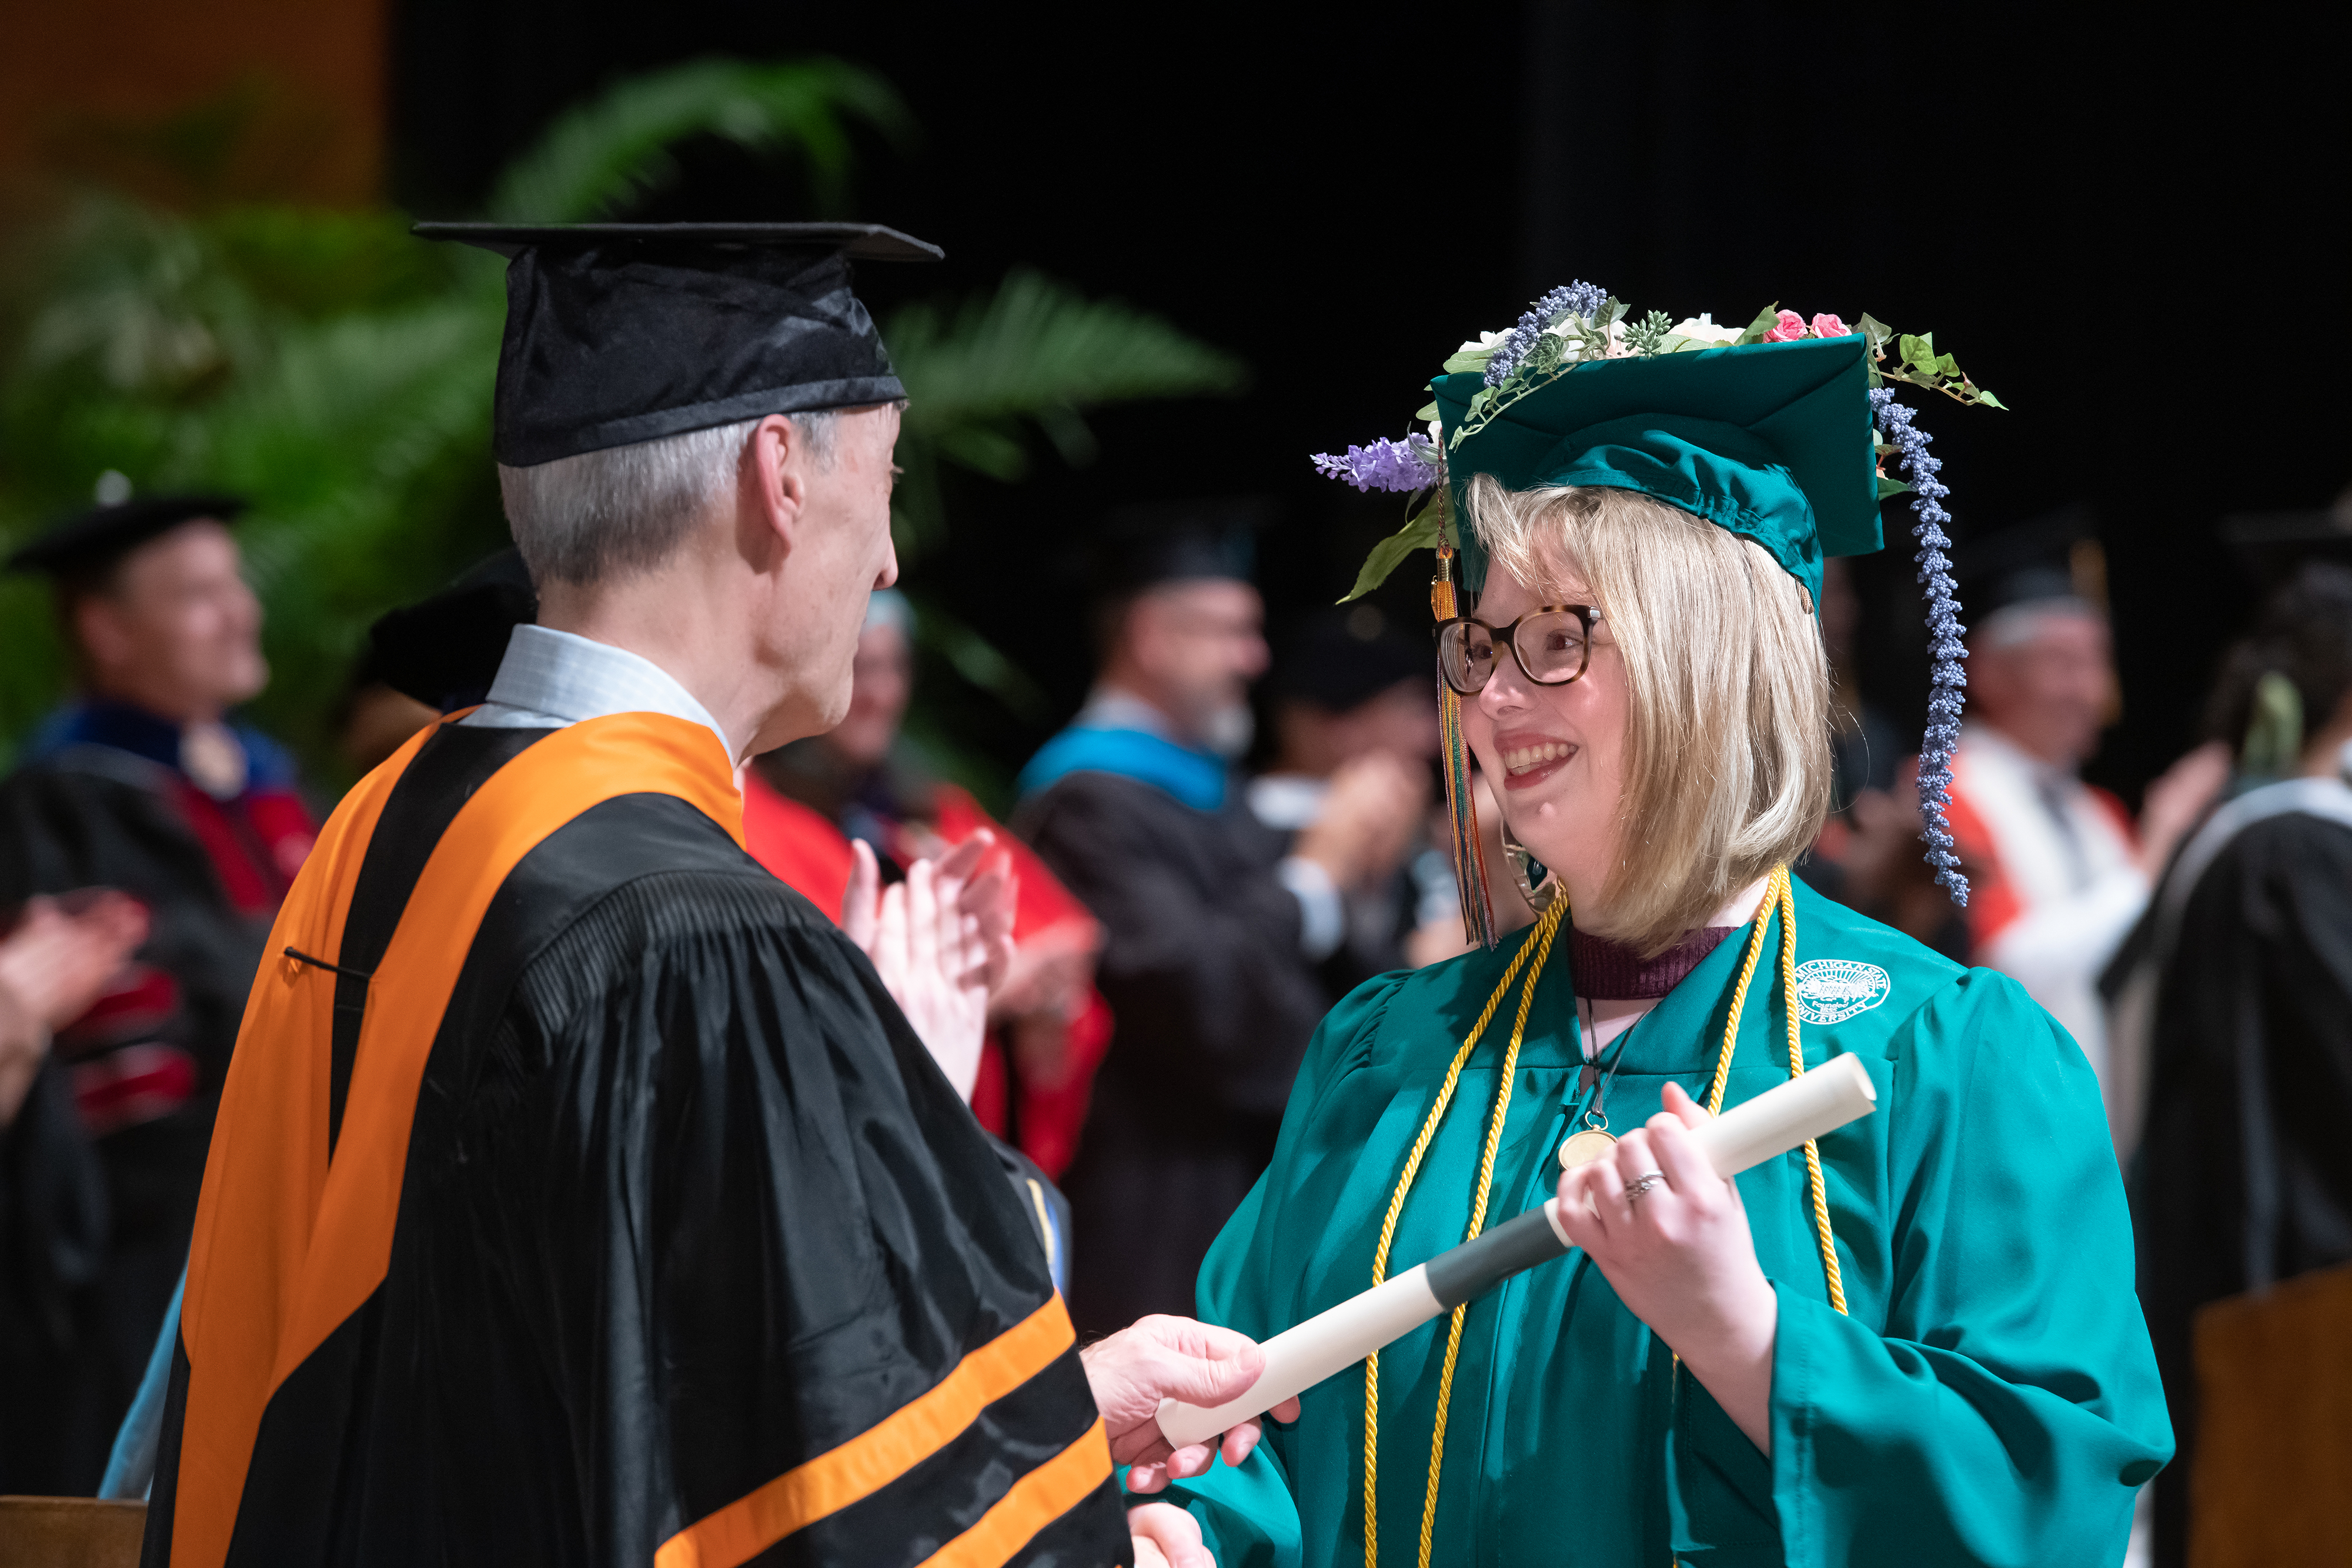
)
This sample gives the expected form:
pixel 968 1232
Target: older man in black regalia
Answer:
pixel 581 1195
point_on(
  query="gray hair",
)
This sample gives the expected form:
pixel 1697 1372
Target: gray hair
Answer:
pixel 583 518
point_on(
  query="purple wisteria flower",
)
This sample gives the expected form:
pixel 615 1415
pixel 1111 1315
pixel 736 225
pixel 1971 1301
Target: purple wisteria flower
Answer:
pixel 1581 299
pixel 1944 632
pixel 1403 465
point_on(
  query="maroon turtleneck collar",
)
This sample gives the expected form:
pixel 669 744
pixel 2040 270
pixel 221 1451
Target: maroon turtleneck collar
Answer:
pixel 1614 972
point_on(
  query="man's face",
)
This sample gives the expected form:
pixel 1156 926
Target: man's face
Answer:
pixel 841 552
pixel 1201 643
pixel 2051 690
pixel 179 633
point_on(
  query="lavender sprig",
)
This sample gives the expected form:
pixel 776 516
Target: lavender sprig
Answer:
pixel 1944 630
pixel 1402 466
pixel 1579 299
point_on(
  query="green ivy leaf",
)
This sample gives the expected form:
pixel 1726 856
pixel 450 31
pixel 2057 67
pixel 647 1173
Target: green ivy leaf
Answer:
pixel 1474 361
pixel 1766 319
pixel 1425 412
pixel 1420 532
pixel 1989 400
pixel 1876 332
pixel 1891 487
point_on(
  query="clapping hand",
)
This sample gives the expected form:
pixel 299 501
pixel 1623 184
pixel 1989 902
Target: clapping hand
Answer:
pixel 942 941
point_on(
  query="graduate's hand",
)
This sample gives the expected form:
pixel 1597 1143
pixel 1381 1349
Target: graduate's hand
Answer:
pixel 1163 1357
pixel 1681 1259
pixel 1166 1536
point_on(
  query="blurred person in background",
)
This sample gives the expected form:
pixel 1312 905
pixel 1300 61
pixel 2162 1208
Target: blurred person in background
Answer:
pixel 2241 978
pixel 806 805
pixel 2062 871
pixel 145 784
pixel 1213 928
pixel 1352 695
pixel 55 1388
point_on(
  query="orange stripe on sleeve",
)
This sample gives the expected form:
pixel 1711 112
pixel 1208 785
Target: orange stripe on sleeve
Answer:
pixel 881 1454
pixel 1035 1502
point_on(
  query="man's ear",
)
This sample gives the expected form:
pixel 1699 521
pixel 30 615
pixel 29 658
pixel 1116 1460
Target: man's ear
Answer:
pixel 98 628
pixel 776 468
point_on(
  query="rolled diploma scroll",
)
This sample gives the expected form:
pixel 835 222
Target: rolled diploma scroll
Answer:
pixel 1778 1120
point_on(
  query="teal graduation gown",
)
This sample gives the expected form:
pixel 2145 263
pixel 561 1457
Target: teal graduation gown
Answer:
pixel 1991 1400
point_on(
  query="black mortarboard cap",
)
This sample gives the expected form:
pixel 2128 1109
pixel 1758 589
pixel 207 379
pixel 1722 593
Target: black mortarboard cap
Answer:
pixel 2050 559
pixel 2273 544
pixel 444 651
pixel 106 533
pixel 618 333
pixel 1154 543
pixel 1345 656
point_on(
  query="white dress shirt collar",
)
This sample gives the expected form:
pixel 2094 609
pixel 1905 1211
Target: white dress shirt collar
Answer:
pixel 551 679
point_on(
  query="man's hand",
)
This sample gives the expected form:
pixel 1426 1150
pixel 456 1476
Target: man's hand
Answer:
pixel 1172 1358
pixel 53 966
pixel 1372 815
pixel 940 940
pixel 1166 1536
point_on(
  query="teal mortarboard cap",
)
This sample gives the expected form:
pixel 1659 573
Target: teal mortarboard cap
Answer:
pixel 1770 441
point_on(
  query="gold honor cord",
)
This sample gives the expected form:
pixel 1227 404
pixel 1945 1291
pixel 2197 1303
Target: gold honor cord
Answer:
pixel 1778 895
pixel 1538 947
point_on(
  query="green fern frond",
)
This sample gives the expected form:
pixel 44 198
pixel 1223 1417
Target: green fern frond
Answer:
pixel 600 156
pixel 1039 350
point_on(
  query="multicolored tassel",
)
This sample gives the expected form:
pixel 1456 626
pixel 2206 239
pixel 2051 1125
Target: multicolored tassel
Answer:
pixel 1461 793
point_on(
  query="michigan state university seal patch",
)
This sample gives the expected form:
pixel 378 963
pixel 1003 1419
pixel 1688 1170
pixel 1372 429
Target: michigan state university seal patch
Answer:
pixel 1831 990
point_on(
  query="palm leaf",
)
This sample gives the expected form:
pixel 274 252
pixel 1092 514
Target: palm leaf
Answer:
pixel 601 156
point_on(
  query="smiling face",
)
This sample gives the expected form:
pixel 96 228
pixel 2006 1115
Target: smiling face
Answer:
pixel 1558 751
pixel 178 633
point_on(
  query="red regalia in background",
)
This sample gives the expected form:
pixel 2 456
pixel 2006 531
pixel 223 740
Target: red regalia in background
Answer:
pixel 1052 1027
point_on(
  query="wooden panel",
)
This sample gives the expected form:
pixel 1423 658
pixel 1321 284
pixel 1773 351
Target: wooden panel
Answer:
pixel 70 1533
pixel 2275 1439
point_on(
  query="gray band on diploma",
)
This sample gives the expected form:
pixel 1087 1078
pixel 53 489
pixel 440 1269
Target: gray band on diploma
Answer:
pixel 1778 1120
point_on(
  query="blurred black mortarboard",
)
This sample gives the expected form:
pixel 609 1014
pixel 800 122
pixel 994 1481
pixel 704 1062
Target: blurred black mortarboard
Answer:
pixel 444 651
pixel 618 333
pixel 1346 655
pixel 118 525
pixel 2273 544
pixel 1154 542
pixel 2053 560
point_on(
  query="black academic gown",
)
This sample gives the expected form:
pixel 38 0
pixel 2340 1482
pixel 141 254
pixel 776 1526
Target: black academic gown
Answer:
pixel 686 1215
pixel 2244 1172
pixel 1214 1004
pixel 96 1218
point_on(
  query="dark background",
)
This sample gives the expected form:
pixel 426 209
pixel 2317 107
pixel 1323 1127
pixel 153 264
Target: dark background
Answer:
pixel 2114 218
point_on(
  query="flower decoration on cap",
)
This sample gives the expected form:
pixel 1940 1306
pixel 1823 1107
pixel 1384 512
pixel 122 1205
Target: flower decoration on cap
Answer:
pixel 1779 432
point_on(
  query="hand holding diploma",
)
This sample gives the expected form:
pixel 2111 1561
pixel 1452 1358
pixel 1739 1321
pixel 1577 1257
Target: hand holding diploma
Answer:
pixel 1161 1358
pixel 1705 1246
pixel 1679 1256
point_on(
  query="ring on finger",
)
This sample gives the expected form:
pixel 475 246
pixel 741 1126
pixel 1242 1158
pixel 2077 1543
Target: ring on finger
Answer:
pixel 1640 1185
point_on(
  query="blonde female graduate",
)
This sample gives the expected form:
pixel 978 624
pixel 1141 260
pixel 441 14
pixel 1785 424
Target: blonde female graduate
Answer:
pixel 1914 1343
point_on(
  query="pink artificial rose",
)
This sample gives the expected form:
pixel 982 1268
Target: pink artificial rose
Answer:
pixel 1787 329
pixel 1830 327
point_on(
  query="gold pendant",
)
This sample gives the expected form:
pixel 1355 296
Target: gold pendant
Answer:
pixel 1583 1147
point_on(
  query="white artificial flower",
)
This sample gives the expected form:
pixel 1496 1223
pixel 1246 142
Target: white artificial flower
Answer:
pixel 1486 344
pixel 1702 327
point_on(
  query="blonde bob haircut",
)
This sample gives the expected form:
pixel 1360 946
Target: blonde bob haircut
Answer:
pixel 1727 754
